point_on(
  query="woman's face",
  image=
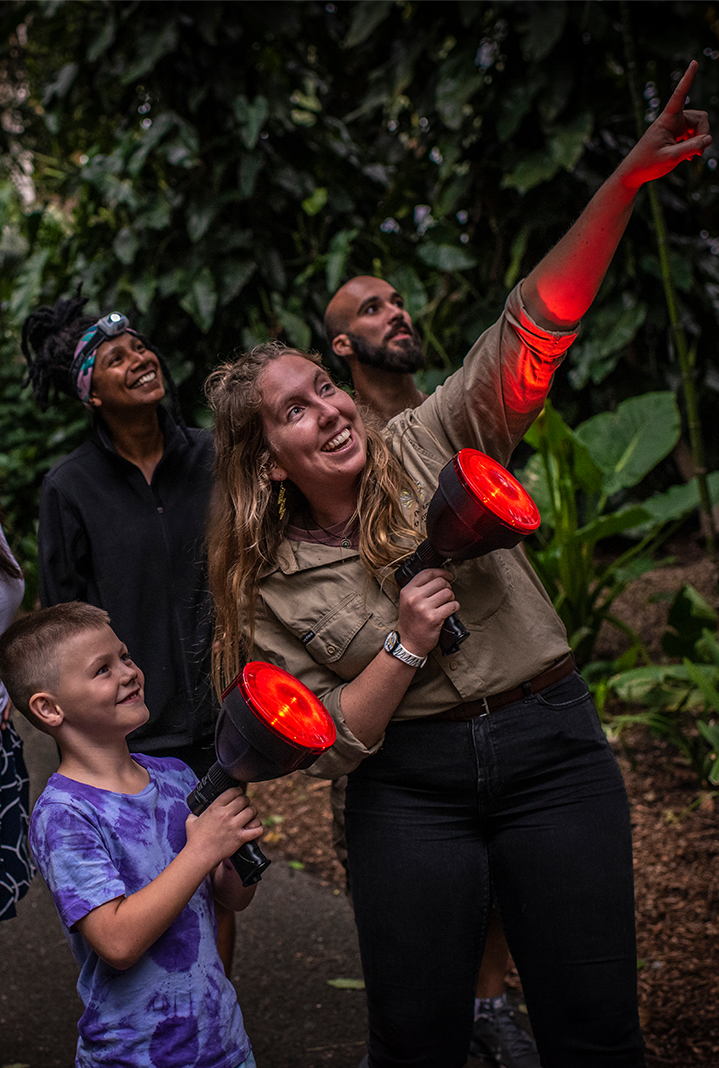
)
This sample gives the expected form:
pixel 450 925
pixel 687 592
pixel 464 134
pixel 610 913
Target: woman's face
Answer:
pixel 126 375
pixel 314 430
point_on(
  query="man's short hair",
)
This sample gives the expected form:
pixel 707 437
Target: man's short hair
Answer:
pixel 30 649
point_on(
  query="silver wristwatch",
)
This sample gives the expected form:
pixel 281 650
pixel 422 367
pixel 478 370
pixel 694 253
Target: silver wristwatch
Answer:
pixel 394 647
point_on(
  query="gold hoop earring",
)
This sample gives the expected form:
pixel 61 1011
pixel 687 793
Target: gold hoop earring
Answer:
pixel 282 501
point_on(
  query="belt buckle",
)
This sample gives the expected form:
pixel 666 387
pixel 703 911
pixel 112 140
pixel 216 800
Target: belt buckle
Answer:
pixel 487 709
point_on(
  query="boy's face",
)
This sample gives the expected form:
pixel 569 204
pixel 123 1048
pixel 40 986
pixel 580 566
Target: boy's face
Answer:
pixel 100 690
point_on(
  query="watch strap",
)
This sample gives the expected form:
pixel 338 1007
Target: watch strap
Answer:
pixel 394 647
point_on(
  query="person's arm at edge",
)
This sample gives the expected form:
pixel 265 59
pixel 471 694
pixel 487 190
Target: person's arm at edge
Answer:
pixel 121 930
pixel 563 285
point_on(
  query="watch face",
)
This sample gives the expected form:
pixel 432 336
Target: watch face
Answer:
pixel 391 641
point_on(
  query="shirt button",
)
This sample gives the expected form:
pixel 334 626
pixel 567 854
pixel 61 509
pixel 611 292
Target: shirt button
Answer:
pixel 331 649
pixel 454 664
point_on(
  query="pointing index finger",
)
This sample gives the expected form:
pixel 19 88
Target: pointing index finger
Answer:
pixel 676 101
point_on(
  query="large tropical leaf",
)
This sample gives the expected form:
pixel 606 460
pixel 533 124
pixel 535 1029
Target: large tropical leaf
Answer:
pixel 627 443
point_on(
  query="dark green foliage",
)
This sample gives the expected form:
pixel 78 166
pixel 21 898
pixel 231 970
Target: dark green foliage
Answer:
pixel 582 481
pixel 281 136
pixel 216 169
pixel 688 618
pixel 680 701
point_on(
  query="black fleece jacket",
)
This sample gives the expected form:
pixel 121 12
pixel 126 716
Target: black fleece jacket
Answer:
pixel 137 550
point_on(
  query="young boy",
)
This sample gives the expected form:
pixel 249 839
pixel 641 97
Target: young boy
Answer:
pixel 132 874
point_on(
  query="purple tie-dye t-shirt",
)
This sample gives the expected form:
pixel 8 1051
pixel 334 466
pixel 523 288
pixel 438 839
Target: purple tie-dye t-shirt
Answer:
pixel 174 1008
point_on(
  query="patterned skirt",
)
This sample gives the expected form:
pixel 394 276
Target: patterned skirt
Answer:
pixel 16 867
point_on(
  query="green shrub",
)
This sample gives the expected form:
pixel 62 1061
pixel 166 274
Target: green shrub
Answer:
pixel 579 480
pixel 680 700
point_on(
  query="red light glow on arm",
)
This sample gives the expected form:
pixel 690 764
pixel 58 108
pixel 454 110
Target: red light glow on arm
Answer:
pixel 526 389
pixel 561 302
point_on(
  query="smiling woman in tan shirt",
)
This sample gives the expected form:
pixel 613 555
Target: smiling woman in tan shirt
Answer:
pixel 476 779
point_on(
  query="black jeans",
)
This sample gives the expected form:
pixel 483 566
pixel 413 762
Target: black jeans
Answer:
pixel 524 808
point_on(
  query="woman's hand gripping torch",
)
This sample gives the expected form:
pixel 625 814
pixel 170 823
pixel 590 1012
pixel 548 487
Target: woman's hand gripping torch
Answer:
pixel 477 507
pixel 269 725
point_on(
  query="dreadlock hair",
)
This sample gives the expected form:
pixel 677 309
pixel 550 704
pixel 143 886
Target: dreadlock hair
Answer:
pixel 49 339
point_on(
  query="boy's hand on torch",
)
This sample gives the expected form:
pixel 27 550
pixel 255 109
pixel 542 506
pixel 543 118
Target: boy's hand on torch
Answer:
pixel 224 826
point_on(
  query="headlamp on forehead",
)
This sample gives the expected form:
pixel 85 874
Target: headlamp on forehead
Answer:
pixel 83 361
pixel 109 326
pixel 113 324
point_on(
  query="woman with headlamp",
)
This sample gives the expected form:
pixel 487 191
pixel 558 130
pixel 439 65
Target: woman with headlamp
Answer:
pixel 122 523
pixel 478 778
pixel 122 517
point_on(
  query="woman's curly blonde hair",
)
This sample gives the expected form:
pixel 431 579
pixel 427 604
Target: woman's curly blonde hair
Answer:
pixel 245 529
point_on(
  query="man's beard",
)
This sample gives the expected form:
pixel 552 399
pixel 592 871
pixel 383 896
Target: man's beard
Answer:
pixel 405 357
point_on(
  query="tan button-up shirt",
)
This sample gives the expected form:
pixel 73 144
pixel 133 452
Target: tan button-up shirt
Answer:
pixel 322 618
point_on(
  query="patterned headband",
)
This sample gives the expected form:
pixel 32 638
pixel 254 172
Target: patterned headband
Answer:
pixel 83 362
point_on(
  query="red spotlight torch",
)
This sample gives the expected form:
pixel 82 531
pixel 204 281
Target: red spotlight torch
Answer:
pixel 269 725
pixel 477 507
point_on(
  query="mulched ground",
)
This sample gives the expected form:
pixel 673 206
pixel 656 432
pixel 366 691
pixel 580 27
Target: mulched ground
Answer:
pixel 676 854
pixel 676 865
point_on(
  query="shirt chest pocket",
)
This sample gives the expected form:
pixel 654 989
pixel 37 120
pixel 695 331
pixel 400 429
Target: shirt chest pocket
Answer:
pixel 338 615
pixel 329 637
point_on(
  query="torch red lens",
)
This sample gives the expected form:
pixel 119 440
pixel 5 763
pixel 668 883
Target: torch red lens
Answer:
pixel 286 706
pixel 494 487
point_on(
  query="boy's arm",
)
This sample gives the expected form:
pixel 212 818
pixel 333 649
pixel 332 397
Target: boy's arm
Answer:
pixel 121 930
pixel 227 887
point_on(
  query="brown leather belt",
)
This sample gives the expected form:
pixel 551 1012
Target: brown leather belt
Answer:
pixel 483 705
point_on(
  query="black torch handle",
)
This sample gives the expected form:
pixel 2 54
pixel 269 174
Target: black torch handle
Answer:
pixel 453 631
pixel 452 634
pixel 249 861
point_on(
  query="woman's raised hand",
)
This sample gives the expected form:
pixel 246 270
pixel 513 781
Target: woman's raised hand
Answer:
pixel 564 283
pixel 677 134
pixel 424 604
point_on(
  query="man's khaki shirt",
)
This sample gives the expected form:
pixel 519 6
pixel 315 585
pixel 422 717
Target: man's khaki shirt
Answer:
pixel 323 619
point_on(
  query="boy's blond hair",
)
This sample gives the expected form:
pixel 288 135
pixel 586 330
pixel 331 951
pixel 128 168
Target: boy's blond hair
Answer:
pixel 30 657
